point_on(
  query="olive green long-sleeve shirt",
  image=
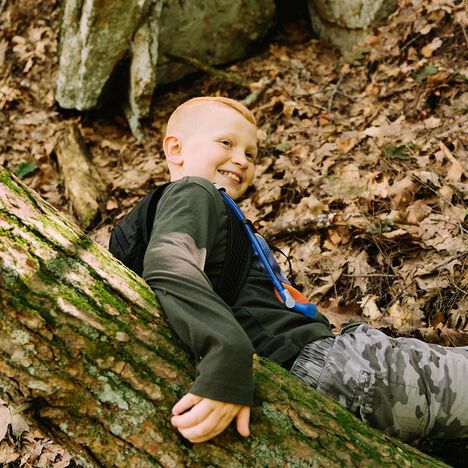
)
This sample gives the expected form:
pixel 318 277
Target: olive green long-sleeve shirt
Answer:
pixel 185 256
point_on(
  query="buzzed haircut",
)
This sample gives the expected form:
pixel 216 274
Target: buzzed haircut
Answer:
pixel 232 103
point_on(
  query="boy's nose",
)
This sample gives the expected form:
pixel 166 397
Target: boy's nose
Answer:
pixel 240 159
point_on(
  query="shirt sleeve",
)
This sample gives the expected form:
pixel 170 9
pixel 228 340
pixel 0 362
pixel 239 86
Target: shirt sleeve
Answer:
pixel 186 228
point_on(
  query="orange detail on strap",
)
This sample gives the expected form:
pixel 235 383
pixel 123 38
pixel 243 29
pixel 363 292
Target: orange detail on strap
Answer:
pixel 295 294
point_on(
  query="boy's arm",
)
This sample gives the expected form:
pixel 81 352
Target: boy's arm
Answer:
pixel 188 221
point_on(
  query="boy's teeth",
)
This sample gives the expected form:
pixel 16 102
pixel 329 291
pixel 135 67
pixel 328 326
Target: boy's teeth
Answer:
pixel 230 175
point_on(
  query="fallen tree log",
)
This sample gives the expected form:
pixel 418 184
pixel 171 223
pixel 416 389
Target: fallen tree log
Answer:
pixel 82 341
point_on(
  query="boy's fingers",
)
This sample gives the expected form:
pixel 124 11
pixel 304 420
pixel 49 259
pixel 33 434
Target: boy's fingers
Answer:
pixel 207 418
pixel 195 416
pixel 207 429
pixel 242 421
pixel 185 403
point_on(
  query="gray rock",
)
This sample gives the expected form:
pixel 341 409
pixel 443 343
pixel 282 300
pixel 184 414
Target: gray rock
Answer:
pixel 144 52
pixel 97 34
pixel 212 31
pixel 345 23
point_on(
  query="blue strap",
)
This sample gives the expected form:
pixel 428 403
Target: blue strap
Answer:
pixel 306 309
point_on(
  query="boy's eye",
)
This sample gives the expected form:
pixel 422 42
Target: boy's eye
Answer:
pixel 250 156
pixel 226 143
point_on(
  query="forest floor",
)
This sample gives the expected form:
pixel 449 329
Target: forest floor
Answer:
pixel 361 177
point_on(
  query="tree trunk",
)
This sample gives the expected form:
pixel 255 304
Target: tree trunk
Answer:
pixel 83 341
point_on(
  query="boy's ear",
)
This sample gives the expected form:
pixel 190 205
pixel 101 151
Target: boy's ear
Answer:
pixel 173 150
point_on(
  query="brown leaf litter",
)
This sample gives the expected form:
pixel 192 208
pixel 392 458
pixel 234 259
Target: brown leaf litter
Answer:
pixel 362 175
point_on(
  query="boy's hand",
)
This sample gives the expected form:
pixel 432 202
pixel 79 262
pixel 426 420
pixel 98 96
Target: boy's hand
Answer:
pixel 203 419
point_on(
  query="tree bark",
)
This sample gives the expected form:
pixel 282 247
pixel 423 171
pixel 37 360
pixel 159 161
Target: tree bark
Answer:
pixel 83 341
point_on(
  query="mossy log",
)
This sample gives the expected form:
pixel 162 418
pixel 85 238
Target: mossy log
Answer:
pixel 83 342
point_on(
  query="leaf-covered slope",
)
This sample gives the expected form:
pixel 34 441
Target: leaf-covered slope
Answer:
pixel 362 174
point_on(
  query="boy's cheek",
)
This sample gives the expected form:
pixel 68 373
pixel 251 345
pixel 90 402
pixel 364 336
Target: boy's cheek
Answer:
pixel 251 178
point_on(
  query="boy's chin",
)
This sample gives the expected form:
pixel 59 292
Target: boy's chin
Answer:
pixel 234 194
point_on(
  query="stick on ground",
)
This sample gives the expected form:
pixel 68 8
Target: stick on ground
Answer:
pixel 195 63
pixel 83 185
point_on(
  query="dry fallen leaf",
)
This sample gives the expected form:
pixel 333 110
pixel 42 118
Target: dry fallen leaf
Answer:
pixel 429 49
pixel 432 122
pixel 402 192
pixel 370 308
pixel 417 211
pixel 359 268
pixel 18 425
pixel 379 157
pixel 445 336
pixel 7 454
pixel 392 129
pixel 455 172
pixel 330 281
pixel 347 141
pixel 5 420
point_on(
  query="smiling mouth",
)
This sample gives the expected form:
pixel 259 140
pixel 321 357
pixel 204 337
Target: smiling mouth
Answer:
pixel 230 175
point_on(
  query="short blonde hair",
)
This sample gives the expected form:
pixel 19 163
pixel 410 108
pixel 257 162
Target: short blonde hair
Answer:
pixel 232 103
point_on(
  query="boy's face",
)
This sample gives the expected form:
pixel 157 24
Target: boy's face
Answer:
pixel 218 144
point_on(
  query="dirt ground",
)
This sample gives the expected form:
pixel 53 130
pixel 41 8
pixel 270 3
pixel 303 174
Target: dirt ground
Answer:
pixel 361 178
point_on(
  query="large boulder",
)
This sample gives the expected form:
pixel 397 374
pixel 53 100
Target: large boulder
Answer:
pixel 97 34
pixel 94 37
pixel 214 31
pixel 347 22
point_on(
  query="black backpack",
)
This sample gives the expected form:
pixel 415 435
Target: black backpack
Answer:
pixel 130 237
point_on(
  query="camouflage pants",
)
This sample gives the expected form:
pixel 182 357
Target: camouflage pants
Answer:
pixel 403 386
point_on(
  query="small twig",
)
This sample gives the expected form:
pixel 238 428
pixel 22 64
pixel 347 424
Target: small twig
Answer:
pixel 318 106
pixel 463 291
pixel 307 95
pixel 231 77
pixel 348 96
pixel 443 133
pixel 457 225
pixel 280 229
pixel 375 275
pixel 428 187
pixel 21 408
pixel 414 105
pixel 415 38
pixel 6 75
pixel 254 97
pixel 333 93
pixel 456 257
pixel 398 90
pixel 384 254
pixel 464 32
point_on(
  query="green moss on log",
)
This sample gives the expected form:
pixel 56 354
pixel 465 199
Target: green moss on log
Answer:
pixel 107 350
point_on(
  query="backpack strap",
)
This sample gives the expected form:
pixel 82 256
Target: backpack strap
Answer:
pixel 291 298
pixel 130 238
pixel 151 211
pixel 239 256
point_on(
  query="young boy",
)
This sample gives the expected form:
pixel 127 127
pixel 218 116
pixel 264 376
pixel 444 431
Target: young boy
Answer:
pixel 403 386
